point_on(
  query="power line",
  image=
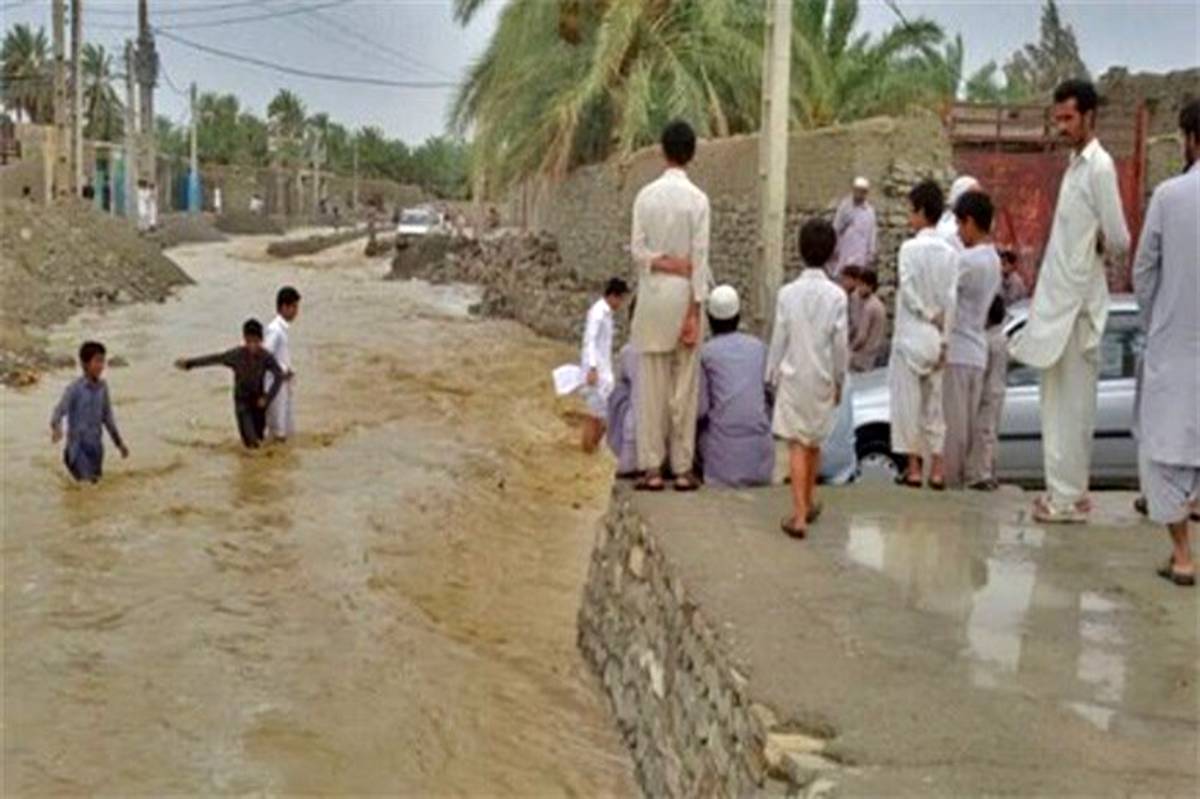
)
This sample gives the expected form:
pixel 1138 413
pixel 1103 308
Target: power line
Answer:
pixel 216 23
pixel 399 55
pixel 304 73
pixel 202 8
pixel 352 43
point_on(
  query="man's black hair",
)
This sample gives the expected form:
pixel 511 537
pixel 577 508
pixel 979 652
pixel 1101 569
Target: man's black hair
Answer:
pixel 869 277
pixel 997 311
pixel 252 328
pixel 1083 92
pixel 975 205
pixel 1189 118
pixel 851 271
pixel 616 287
pixel 89 350
pixel 927 198
pixel 679 142
pixel 818 240
pixel 1008 255
pixel 286 296
pixel 723 326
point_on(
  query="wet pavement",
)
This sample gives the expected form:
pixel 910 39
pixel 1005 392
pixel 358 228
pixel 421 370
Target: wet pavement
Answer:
pixel 385 606
pixel 949 645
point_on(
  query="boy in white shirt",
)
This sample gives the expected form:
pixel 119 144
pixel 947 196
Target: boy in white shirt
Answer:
pixel 596 360
pixel 806 365
pixel 280 422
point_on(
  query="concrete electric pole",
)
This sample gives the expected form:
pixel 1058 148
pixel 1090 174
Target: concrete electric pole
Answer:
pixel 62 131
pixel 131 155
pixel 194 160
pixel 146 59
pixel 354 190
pixel 77 170
pixel 773 156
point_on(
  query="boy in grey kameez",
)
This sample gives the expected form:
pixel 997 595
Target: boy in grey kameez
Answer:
pixel 1166 278
pixel 86 406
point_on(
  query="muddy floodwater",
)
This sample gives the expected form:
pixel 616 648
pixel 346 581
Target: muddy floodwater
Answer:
pixel 384 606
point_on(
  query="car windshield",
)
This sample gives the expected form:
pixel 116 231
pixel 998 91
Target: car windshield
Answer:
pixel 1119 350
pixel 416 218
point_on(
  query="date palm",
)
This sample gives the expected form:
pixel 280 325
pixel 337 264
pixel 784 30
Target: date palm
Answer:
pixel 102 106
pixel 27 80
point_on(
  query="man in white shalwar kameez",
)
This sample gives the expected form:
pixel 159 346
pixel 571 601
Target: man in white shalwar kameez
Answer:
pixel 669 244
pixel 947 226
pixel 806 365
pixel 280 421
pixel 925 305
pixel 1070 305
pixel 596 361
pixel 1166 278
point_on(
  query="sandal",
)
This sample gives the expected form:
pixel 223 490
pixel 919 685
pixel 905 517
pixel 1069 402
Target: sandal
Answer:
pixel 686 482
pixel 814 513
pixel 649 482
pixel 902 480
pixel 937 485
pixel 1167 572
pixel 792 532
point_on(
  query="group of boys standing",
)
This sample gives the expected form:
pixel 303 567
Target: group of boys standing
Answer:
pixel 948 355
pixel 262 392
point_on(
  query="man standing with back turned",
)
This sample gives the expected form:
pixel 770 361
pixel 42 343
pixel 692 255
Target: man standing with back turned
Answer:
pixel 1070 305
pixel 670 250
pixel 1166 277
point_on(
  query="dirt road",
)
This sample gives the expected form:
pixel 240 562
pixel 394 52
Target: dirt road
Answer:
pixel 384 606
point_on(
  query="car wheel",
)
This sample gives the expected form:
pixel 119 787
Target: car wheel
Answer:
pixel 876 461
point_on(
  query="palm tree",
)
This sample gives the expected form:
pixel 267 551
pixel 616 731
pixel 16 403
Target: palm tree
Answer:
pixel 27 86
pixel 103 109
pixel 286 118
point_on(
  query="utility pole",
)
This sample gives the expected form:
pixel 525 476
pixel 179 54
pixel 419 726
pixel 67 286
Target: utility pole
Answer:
pixel 354 191
pixel 76 97
pixel 773 156
pixel 147 79
pixel 61 130
pixel 194 161
pixel 130 134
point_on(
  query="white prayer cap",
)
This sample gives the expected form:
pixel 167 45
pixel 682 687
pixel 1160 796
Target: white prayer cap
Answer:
pixel 723 303
pixel 862 183
pixel 961 185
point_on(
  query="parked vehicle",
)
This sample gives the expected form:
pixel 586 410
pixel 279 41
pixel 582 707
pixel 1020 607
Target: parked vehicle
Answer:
pixel 419 222
pixel 1019 457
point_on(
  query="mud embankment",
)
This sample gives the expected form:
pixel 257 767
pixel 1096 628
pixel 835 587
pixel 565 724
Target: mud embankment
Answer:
pixel 56 261
pixel 291 248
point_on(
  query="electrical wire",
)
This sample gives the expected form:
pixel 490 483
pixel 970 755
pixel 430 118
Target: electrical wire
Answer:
pixel 399 55
pixel 202 8
pixel 304 73
pixel 217 23
pixel 351 43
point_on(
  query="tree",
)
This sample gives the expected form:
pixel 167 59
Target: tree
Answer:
pixel 103 109
pixel 1032 72
pixel 286 119
pixel 28 84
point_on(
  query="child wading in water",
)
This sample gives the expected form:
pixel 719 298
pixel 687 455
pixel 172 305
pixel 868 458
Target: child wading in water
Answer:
pixel 88 412
pixel 250 364
pixel 807 364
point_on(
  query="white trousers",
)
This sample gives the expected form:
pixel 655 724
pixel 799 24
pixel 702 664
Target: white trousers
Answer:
pixel 280 423
pixel 1068 404
pixel 918 421
pixel 962 397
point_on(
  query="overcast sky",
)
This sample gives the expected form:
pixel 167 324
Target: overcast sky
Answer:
pixel 416 40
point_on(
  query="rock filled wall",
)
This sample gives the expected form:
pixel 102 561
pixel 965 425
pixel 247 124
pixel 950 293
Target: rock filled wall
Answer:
pixel 684 710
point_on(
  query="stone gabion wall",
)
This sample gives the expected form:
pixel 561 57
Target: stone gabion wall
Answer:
pixel 685 711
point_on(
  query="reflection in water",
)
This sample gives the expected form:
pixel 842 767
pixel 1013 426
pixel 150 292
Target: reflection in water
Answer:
pixel 999 608
pixel 1101 663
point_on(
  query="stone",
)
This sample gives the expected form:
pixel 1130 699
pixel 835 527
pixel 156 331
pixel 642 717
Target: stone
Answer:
pixel 780 744
pixel 802 768
pixel 637 561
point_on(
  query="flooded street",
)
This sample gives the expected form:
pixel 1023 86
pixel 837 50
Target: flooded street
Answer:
pixel 386 605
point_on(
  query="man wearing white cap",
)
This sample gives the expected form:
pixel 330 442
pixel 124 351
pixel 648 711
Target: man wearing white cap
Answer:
pixel 734 444
pixel 855 226
pixel 947 226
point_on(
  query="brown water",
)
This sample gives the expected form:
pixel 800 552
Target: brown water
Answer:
pixel 385 606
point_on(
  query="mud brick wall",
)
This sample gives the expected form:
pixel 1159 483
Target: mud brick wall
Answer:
pixel 683 708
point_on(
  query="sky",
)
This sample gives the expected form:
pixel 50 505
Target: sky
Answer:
pixel 418 41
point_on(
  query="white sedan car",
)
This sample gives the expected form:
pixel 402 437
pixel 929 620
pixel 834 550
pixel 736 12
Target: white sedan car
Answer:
pixel 419 222
pixel 1019 458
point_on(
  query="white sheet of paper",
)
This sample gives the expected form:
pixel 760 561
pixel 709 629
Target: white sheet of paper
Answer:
pixel 567 379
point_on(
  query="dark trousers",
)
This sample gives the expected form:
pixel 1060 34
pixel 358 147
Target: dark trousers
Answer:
pixel 251 422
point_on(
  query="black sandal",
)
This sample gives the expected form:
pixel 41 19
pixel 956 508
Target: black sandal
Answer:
pixel 650 482
pixel 814 513
pixel 1167 572
pixel 902 480
pixel 798 533
pixel 686 482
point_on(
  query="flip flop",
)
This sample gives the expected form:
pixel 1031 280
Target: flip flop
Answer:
pixel 902 480
pixel 650 484
pixel 798 533
pixel 814 513
pixel 686 483
pixel 939 485
pixel 1167 572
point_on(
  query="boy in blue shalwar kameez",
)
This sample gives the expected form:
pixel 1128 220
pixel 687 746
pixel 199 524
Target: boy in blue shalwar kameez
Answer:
pixel 88 412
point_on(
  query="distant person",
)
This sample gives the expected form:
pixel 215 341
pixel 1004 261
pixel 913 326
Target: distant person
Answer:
pixel 152 206
pixel 256 203
pixel 27 194
pixel 947 226
pixel 1013 289
pixel 967 350
pixel 1070 306
pixel 250 364
pixel 856 228
pixel 596 360
pixel 734 444
pixel 143 206
pixel 981 468
pixel 807 366
pixel 86 407
pixel 216 201
pixel 870 333
pixel 621 419
pixel 1166 279
pixel 925 305
pixel 669 244
pixel 280 415
pixel 848 280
